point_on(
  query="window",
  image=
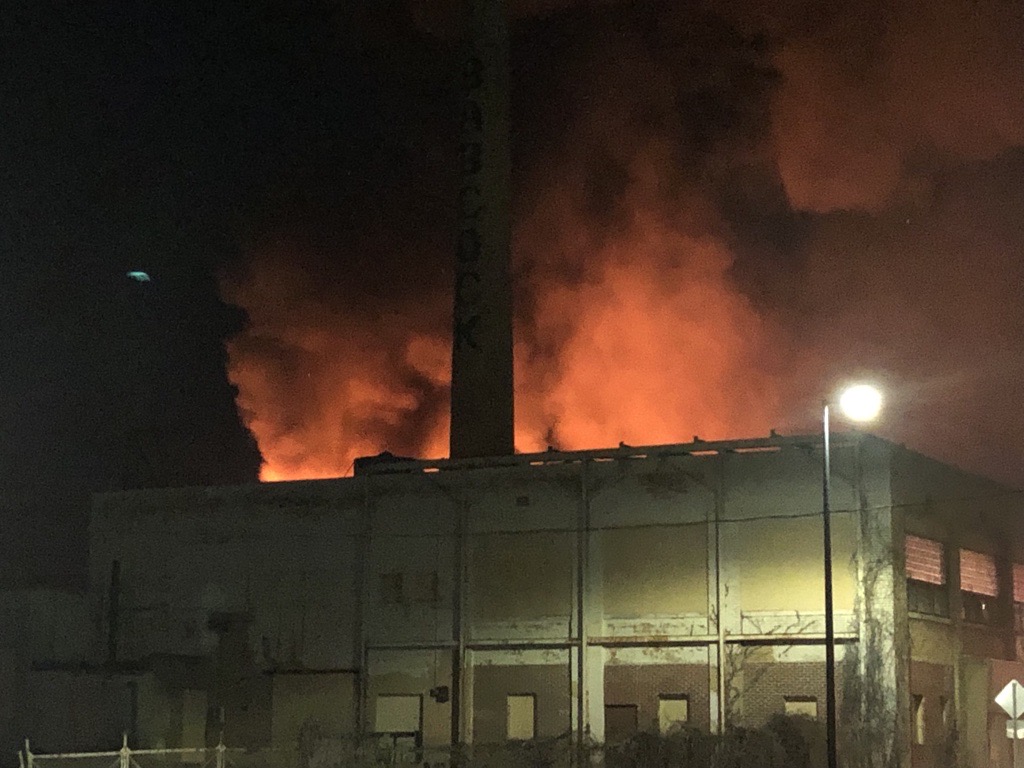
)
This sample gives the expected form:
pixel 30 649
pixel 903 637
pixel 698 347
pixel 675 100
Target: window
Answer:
pixel 979 586
pixel 925 560
pixel 978 573
pixel 521 716
pixel 926 577
pixel 802 706
pixel 620 722
pixel 673 712
pixel 917 717
pixel 391 588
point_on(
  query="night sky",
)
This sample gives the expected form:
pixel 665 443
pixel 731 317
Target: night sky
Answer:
pixel 721 211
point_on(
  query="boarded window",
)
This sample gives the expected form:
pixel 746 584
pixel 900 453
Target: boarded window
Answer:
pixel 391 588
pixel 917 715
pixel 620 722
pixel 649 571
pixel 673 712
pixel 1018 583
pixel 398 714
pixel 521 716
pixel 423 587
pixel 978 573
pixel 521 576
pixel 925 561
pixel 779 563
pixel 802 706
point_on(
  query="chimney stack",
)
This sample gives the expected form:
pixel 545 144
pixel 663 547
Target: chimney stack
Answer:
pixel 482 374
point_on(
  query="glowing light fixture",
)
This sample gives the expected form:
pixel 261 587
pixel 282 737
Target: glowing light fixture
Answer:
pixel 139 277
pixel 861 402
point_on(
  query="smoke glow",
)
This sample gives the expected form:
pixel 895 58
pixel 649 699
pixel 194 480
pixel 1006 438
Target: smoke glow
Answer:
pixel 718 217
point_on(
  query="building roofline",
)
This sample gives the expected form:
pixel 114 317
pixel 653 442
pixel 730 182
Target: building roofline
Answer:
pixel 386 464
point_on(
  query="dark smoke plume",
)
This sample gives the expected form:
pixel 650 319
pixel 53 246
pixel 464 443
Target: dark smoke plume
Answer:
pixel 721 213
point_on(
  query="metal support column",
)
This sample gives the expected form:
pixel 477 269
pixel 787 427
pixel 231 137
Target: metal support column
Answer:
pixel 830 630
pixel 582 544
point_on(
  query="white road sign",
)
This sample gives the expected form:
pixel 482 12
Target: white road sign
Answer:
pixel 1011 699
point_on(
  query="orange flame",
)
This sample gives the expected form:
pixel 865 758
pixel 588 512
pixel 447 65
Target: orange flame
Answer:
pixel 318 389
pixel 654 345
pixel 657 349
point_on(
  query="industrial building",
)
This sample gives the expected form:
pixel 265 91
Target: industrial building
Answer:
pixel 584 595
pixel 492 598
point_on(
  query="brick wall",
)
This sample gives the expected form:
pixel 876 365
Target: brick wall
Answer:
pixel 493 683
pixel 640 685
pixel 765 686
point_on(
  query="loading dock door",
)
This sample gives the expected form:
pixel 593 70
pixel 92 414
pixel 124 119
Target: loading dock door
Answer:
pixel 620 722
pixel 399 723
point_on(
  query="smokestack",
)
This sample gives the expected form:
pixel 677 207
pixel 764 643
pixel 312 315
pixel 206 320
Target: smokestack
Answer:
pixel 482 390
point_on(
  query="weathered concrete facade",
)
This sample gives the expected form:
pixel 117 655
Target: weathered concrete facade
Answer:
pixel 585 595
pixel 960 657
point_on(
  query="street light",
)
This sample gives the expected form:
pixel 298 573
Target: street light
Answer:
pixel 860 402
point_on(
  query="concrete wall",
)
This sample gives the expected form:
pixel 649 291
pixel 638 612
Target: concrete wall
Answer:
pixel 41 627
pixel 588 581
pixel 689 552
pixel 52 625
pixel 283 554
pixel 660 532
pixel 220 589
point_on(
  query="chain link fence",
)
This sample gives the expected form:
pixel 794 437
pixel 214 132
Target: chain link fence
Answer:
pixel 126 757
pixel 785 742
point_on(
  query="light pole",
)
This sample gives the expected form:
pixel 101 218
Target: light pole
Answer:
pixel 860 402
